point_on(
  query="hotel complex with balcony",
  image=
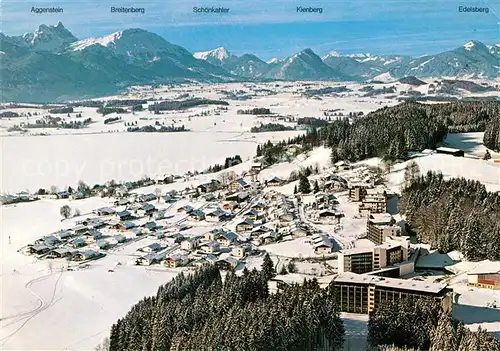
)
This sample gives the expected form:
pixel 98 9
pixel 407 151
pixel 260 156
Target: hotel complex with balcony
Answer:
pixel 380 226
pixel 362 293
pixel 364 260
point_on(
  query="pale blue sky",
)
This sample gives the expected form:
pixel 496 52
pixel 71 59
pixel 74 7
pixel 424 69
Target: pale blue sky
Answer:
pixel 273 28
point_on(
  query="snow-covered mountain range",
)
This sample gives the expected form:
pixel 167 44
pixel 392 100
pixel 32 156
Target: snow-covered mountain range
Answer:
pixel 51 64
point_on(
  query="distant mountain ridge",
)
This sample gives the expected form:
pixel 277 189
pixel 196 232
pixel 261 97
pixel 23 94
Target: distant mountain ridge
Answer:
pixel 51 64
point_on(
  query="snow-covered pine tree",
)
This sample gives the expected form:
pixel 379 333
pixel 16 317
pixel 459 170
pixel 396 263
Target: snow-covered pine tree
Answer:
pixel 304 185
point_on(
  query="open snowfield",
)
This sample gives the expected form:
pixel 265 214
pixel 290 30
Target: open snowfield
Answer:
pixel 37 161
pixel 471 143
pixel 101 152
pixel 485 172
pixel 44 308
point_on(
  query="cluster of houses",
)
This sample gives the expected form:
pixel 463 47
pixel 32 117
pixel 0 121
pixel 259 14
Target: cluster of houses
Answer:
pixel 23 196
pixel 217 246
pixel 108 227
pixel 244 215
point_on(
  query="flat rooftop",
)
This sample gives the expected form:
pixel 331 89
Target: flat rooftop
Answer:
pixel 389 245
pixel 394 283
pixel 447 149
pixel 380 218
pixel 356 251
pixel 485 267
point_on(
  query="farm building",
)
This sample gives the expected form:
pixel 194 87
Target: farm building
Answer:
pixel 450 151
pixel 227 263
pixel 39 249
pixel 104 211
pixel 197 215
pixel 190 244
pixel 211 247
pixel 485 275
pixel 87 255
pixel 227 239
pixel 175 261
pixel 59 253
pixel 150 259
pixel 245 226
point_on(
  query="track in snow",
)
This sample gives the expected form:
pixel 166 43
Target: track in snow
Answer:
pixel 33 313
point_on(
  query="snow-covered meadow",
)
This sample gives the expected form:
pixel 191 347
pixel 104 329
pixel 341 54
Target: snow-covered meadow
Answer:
pixel 44 308
pixel 101 152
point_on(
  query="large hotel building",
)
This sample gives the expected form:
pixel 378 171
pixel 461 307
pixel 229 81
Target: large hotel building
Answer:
pixel 362 293
pixel 364 260
pixel 380 226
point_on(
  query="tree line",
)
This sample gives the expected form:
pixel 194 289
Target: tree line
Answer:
pixel 202 311
pixel 465 116
pixel 270 127
pixel 255 111
pixel 229 162
pixel 491 138
pixel 455 214
pixel 180 105
pixel 162 129
pixel 417 324
pixel 391 132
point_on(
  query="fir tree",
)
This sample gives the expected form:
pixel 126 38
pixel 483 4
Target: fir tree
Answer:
pixel 487 155
pixel 316 187
pixel 304 185
pixel 291 267
pixel 268 270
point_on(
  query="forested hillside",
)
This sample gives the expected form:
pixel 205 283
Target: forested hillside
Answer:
pixel 467 116
pixel 391 132
pixel 455 214
pixel 492 134
pixel 419 325
pixel 201 311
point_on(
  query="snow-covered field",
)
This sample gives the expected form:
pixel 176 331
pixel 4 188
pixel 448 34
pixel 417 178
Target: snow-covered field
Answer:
pixel 38 299
pixel 46 308
pixel 101 152
pixel 485 172
pixel 32 162
pixel 471 143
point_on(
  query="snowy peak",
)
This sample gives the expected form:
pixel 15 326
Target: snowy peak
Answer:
pixel 307 52
pixel 305 65
pixel 103 41
pixel 274 60
pixel 476 46
pixel 331 54
pixel 469 45
pixel 135 44
pixel 494 49
pixel 49 38
pixel 219 55
pixel 384 78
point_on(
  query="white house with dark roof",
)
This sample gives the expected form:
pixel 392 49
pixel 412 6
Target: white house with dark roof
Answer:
pixel 104 211
pixel 245 226
pixel 211 247
pixel 154 247
pixel 190 244
pixel 123 215
pixel 227 239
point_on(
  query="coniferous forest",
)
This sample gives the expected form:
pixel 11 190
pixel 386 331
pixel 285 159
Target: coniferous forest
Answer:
pixel 202 311
pixel 391 132
pixel 491 137
pixel 416 324
pixel 455 214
